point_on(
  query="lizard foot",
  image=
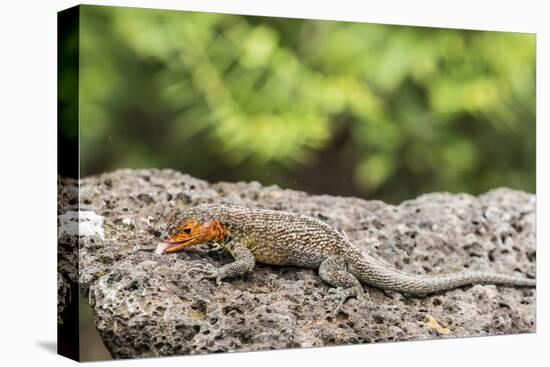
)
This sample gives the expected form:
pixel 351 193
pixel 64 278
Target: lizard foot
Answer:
pixel 341 295
pixel 209 272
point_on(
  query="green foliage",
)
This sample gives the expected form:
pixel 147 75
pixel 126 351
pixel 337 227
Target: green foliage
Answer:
pixel 397 110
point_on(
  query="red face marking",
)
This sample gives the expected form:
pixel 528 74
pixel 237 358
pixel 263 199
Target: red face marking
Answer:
pixel 192 232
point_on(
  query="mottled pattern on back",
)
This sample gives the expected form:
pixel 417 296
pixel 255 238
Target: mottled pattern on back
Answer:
pixel 282 238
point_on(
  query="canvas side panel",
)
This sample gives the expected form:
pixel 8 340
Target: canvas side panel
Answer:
pixel 67 182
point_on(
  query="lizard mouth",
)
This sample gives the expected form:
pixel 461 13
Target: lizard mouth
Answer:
pixel 176 244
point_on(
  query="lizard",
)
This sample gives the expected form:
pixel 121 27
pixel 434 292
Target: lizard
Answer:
pixel 277 237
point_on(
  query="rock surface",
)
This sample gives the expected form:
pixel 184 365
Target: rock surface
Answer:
pixel 153 305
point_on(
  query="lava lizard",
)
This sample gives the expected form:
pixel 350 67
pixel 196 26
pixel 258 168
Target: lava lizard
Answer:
pixel 283 238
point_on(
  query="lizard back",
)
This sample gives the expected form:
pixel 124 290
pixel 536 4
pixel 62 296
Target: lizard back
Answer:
pixel 282 238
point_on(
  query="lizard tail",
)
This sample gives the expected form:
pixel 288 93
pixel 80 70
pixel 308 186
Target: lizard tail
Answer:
pixel 372 272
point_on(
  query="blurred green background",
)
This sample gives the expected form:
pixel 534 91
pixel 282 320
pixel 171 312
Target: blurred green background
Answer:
pixel 376 111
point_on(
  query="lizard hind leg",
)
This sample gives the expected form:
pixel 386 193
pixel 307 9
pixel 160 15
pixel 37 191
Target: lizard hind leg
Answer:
pixel 333 270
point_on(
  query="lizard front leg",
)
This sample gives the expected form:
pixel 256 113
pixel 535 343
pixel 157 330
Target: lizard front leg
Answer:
pixel 333 271
pixel 244 263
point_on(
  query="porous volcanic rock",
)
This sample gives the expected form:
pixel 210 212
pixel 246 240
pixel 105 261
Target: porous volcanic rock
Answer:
pixel 147 304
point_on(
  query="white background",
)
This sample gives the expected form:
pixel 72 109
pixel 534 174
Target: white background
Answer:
pixel 28 182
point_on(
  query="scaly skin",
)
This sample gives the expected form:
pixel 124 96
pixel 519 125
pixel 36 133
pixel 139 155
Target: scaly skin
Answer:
pixel 283 238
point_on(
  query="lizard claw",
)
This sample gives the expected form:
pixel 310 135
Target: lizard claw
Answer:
pixel 208 269
pixel 216 275
pixel 341 295
pixel 209 272
pixel 202 267
pixel 337 294
pixel 213 274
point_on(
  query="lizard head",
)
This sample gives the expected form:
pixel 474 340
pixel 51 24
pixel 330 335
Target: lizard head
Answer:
pixel 193 226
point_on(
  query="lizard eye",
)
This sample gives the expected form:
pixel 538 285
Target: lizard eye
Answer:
pixel 187 230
